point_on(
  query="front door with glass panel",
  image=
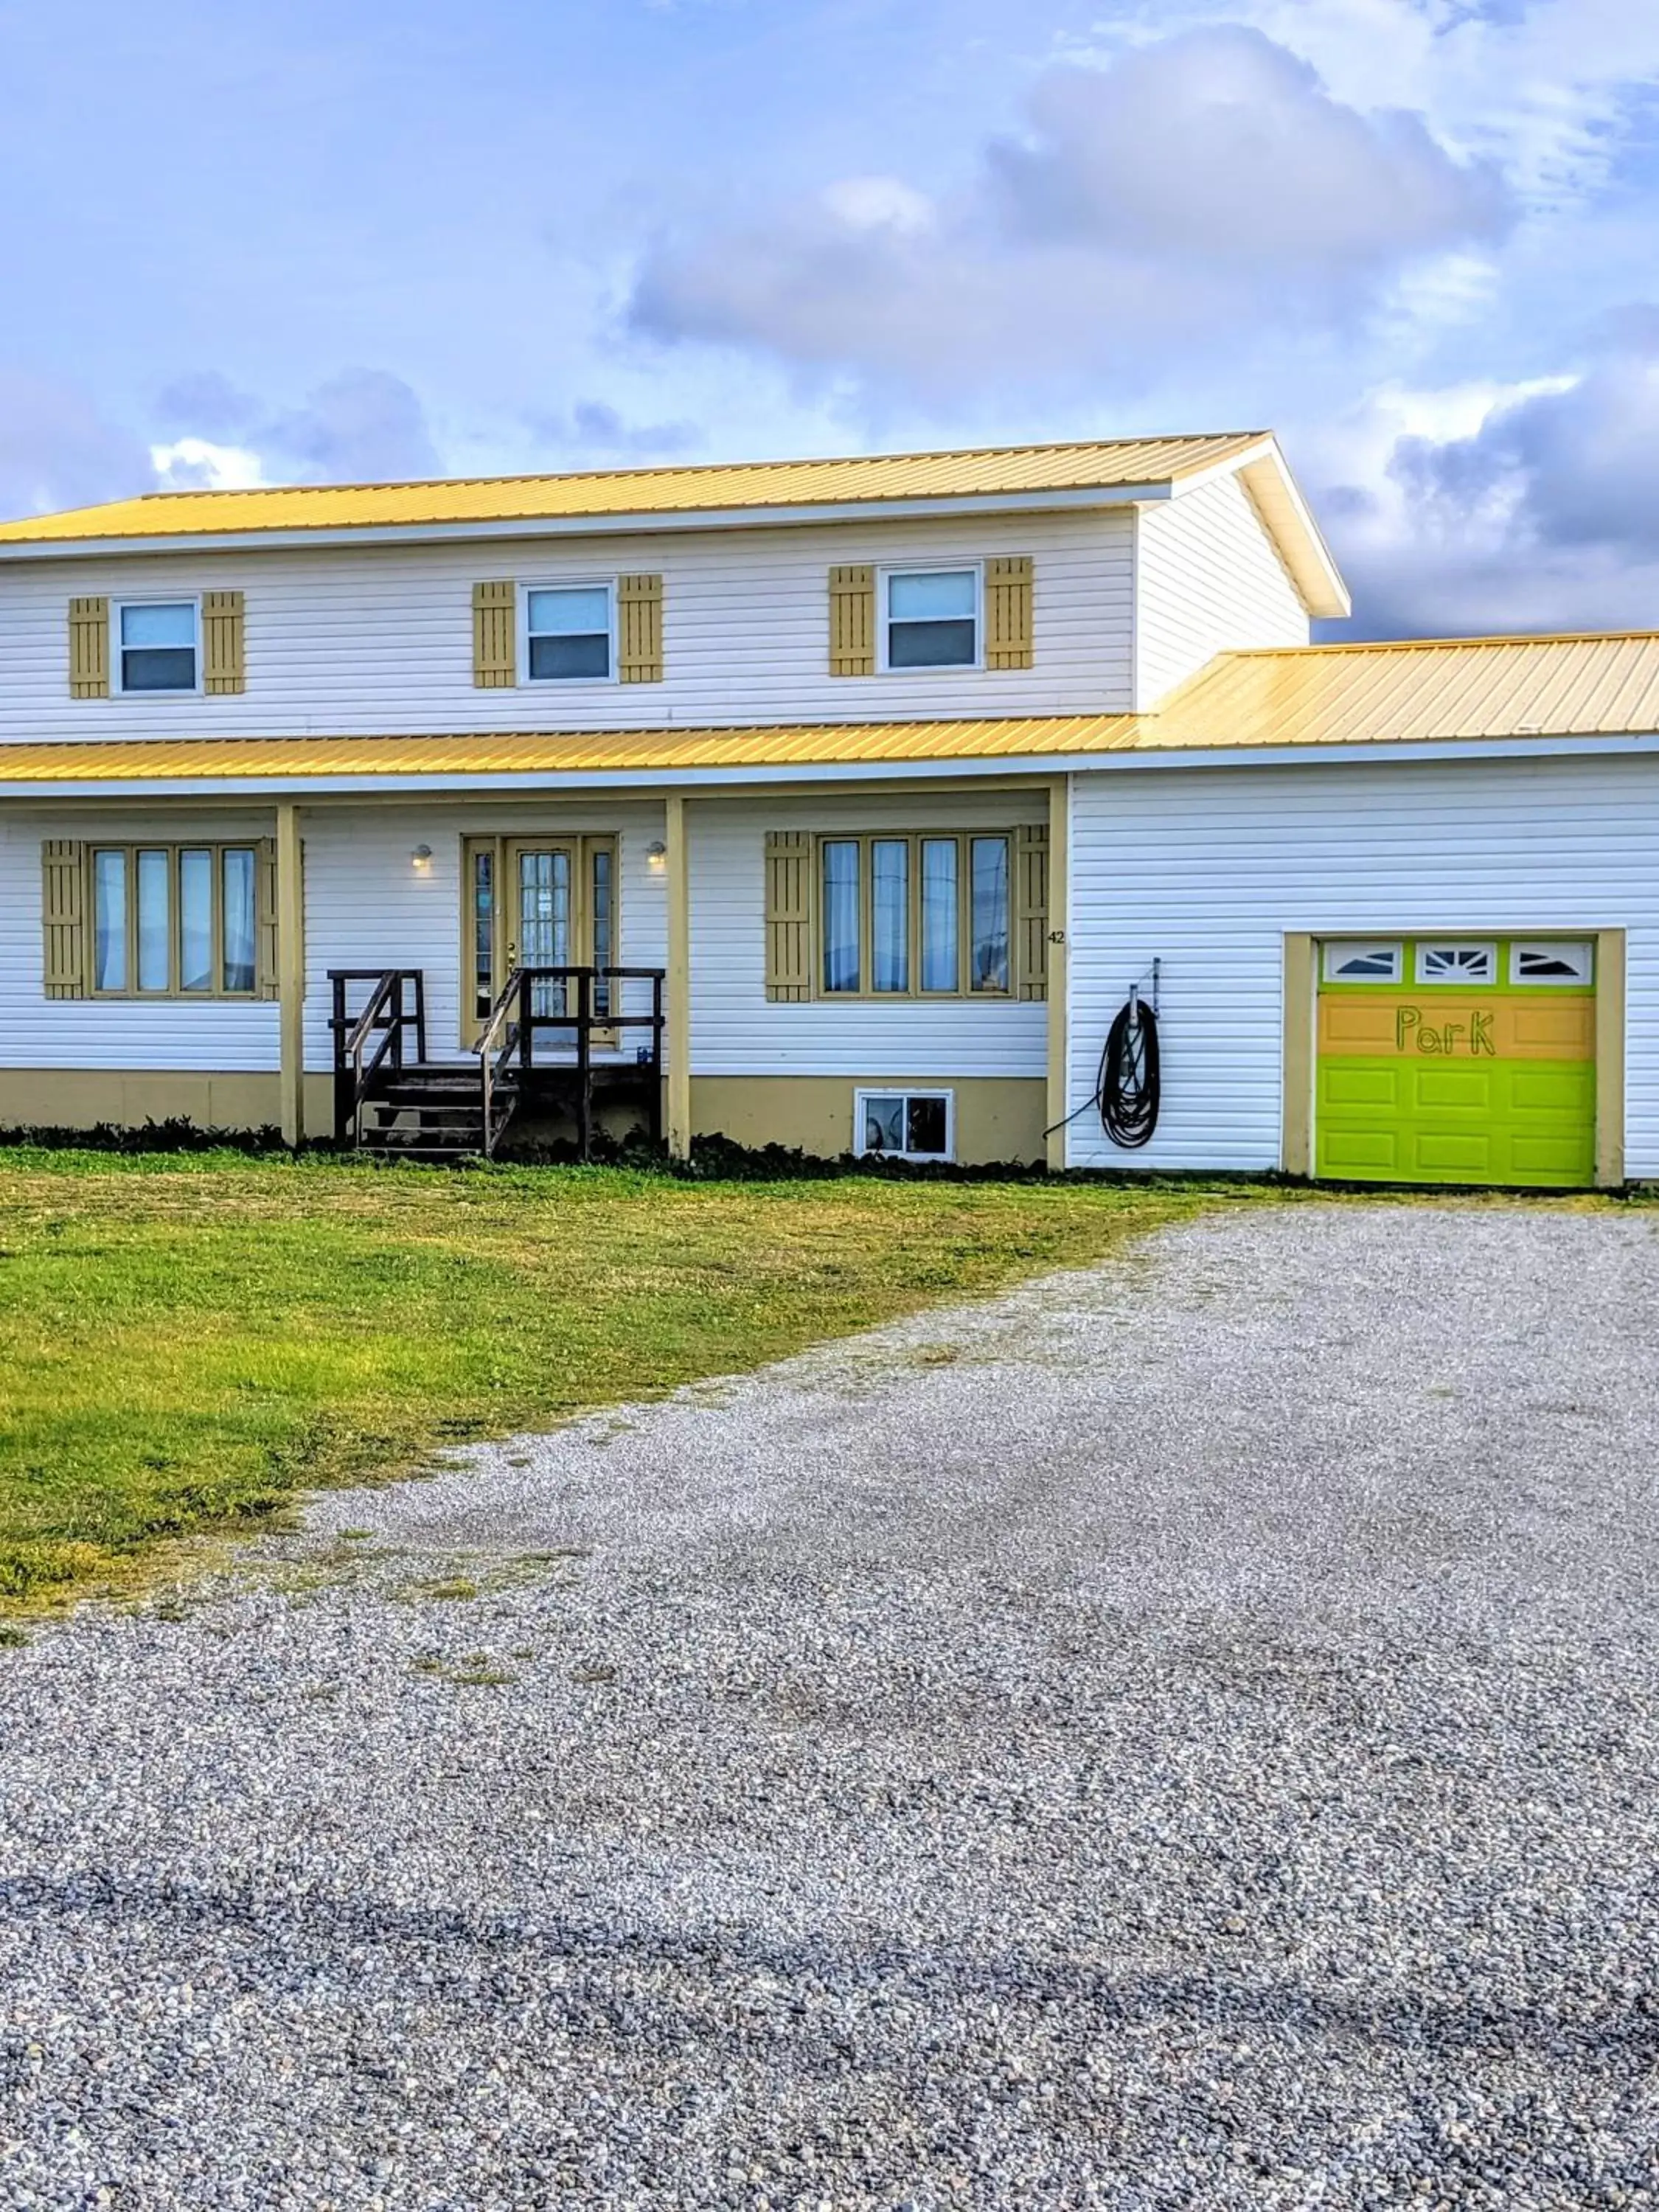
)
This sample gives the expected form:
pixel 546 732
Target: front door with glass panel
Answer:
pixel 539 903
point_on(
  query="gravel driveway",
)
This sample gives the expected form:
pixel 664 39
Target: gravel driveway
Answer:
pixel 1183 1735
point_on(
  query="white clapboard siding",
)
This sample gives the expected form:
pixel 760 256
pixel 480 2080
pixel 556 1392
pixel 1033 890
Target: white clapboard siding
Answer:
pixel 736 1030
pixel 227 1037
pixel 368 906
pixel 367 639
pixel 1209 580
pixel 1207 870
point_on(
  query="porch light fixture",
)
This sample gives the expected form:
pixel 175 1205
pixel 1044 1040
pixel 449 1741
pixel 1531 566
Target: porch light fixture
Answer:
pixel 656 856
pixel 421 860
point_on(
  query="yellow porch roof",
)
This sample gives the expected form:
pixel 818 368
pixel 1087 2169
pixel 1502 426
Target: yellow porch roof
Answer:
pixel 1103 465
pixel 1464 689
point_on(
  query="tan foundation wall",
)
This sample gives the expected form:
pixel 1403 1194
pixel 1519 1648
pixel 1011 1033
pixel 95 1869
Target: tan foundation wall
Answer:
pixel 81 1097
pixel 999 1117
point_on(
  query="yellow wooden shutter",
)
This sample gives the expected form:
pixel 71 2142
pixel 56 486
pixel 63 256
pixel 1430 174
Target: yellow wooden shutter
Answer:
pixel 265 970
pixel 66 972
pixel 224 655
pixel 638 608
pixel 1008 612
pixel 495 639
pixel 1031 909
pixel 88 648
pixel 789 915
pixel 852 621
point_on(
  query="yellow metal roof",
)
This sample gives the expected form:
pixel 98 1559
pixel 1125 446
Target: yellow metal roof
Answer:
pixel 1100 465
pixel 1415 693
pixel 578 753
pixel 1344 695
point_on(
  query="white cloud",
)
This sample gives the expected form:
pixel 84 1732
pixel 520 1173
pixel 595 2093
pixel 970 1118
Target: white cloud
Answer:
pixel 198 464
pixel 879 204
pixel 1486 507
pixel 1203 189
pixel 364 424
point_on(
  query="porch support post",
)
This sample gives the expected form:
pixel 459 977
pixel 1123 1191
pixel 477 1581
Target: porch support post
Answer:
pixel 677 1041
pixel 1059 916
pixel 291 973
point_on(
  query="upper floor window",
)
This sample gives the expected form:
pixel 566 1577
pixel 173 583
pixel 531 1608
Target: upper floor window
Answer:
pixel 157 644
pixel 932 617
pixel 568 631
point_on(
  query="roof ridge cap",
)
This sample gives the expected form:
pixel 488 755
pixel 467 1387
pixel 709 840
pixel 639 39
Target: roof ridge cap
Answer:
pixel 691 468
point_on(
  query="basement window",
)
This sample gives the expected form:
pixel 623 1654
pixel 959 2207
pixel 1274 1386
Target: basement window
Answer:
pixel 904 1125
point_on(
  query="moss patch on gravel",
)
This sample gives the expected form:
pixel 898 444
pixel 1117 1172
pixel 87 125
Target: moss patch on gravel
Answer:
pixel 185 1340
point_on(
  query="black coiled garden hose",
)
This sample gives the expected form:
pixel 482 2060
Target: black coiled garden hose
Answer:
pixel 1127 1085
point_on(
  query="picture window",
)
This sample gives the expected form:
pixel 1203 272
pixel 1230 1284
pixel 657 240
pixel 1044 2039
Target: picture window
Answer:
pixel 174 921
pixel 915 917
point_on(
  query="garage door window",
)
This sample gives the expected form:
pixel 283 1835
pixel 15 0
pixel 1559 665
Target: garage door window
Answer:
pixel 1457 963
pixel 1363 964
pixel 1551 961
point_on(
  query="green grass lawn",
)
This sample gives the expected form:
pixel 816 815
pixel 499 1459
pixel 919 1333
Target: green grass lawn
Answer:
pixel 185 1340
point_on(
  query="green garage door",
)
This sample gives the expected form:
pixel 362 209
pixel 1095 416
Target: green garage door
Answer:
pixel 1456 1060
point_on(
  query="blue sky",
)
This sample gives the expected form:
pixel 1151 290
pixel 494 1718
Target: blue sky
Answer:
pixel 251 243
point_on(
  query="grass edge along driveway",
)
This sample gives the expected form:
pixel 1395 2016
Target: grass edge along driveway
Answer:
pixel 188 1340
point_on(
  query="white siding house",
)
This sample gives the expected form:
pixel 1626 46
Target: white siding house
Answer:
pixel 877 879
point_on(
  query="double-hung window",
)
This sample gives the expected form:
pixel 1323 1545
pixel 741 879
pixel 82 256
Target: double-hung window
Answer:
pixel 158 645
pixel 932 617
pixel 915 917
pixel 569 634
pixel 175 920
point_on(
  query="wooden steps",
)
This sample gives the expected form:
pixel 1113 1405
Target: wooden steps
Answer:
pixel 430 1111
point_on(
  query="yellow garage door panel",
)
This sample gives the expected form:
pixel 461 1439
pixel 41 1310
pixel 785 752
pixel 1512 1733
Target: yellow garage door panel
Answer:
pixel 1458 1024
pixel 1552 1028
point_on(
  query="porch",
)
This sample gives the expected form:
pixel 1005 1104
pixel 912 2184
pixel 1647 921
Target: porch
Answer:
pixel 557 1043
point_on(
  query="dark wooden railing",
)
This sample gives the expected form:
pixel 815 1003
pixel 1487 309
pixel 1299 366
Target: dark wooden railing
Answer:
pixel 507 1049
pixel 372 1039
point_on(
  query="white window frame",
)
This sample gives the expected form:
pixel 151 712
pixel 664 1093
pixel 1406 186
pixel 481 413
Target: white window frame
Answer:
pixel 117 656
pixel 1557 945
pixel 1424 945
pixel 863 1096
pixel 606 584
pixel 883 618
pixel 1348 948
